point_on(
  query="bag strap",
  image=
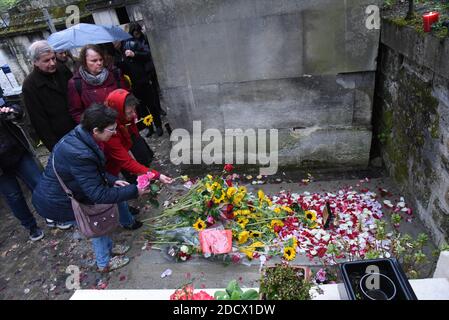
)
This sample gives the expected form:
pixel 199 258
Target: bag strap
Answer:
pixel 66 190
pixel 116 73
pixel 78 85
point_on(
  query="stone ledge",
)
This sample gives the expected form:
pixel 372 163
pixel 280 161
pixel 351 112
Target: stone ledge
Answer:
pixel 424 49
pixel 425 289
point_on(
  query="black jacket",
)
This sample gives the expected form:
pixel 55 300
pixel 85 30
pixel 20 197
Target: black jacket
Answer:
pixel 14 130
pixel 45 98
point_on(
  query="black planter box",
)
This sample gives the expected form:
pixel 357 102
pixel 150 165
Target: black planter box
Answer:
pixel 394 285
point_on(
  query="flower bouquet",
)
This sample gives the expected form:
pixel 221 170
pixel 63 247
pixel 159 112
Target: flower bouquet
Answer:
pixel 147 181
pixel 187 293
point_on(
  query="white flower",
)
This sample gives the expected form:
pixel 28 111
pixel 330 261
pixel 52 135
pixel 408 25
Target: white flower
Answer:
pixel 184 249
pixel 183 258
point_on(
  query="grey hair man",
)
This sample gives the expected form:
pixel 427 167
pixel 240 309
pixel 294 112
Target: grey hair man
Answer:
pixel 42 56
pixel 45 95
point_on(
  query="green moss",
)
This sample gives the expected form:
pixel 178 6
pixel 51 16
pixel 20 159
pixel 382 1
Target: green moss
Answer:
pixel 33 20
pixel 435 128
pixel 411 121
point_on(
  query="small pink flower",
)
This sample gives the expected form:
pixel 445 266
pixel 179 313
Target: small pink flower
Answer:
pixel 143 181
pixel 210 220
pixel 321 275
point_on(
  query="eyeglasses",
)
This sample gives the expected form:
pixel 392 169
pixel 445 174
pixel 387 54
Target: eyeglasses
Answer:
pixel 111 130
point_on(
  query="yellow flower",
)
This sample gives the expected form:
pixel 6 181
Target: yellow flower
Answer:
pixel 148 120
pixel 276 223
pixel 295 242
pixel 221 198
pixel 199 225
pixel 238 198
pixel 185 178
pixel 242 190
pixel 212 187
pixel 242 222
pixel 277 210
pixel 209 177
pixel 230 192
pixel 258 244
pixel 248 251
pixel 255 234
pixel 311 215
pixel 269 202
pixel 287 209
pixel 289 253
pixel 261 195
pixel 243 237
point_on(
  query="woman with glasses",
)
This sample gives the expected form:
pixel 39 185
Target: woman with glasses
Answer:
pixel 80 162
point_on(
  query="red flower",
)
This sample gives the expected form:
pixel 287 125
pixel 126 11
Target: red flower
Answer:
pixel 235 258
pixel 210 204
pixel 202 295
pixel 228 167
pixel 229 182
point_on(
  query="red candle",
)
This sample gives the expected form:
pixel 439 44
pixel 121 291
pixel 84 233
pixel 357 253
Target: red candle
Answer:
pixel 429 19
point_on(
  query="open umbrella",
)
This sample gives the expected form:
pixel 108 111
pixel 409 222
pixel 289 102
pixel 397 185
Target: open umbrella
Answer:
pixel 84 33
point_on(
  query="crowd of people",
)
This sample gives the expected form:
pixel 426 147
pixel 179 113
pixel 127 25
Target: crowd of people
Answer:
pixel 86 112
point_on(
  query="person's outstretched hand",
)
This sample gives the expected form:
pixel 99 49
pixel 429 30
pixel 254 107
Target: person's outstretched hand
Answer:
pixel 165 179
pixel 143 191
pixel 121 183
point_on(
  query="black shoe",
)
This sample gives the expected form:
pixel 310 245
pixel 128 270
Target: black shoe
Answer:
pixel 36 234
pixel 134 211
pixel 159 131
pixel 136 225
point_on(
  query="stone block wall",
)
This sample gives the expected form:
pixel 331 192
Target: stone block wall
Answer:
pixel 306 68
pixel 412 117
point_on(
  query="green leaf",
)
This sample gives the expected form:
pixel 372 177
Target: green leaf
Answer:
pixel 236 295
pixel 155 188
pixel 219 295
pixel 250 295
pixel 232 287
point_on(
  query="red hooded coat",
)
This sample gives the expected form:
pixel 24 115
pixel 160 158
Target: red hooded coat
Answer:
pixel 117 148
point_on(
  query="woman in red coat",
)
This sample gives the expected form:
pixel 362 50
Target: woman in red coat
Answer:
pixel 127 138
pixel 92 82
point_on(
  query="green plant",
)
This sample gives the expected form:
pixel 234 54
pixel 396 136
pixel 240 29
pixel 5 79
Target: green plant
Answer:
pixel 387 4
pixel 409 253
pixel 383 137
pixel 285 282
pixel 234 292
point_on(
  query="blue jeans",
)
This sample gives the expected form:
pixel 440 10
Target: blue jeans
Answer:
pixel 30 173
pixel 126 219
pixel 102 248
pixel 103 245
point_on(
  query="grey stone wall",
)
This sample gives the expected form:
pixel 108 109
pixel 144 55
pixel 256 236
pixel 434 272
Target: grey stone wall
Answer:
pixel 306 68
pixel 412 104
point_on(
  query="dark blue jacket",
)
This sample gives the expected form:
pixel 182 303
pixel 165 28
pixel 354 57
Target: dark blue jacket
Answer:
pixel 80 163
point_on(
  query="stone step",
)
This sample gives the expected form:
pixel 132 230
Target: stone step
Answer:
pixel 425 289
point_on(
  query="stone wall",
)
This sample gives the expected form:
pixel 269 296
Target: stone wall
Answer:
pixel 306 68
pixel 412 116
